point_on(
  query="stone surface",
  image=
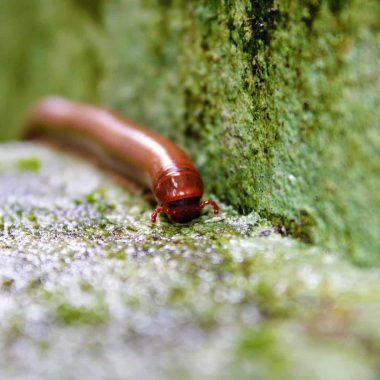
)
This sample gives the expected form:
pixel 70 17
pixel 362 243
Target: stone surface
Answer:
pixel 89 288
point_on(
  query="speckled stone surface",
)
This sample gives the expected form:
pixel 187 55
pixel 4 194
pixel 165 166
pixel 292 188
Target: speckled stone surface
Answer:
pixel 90 289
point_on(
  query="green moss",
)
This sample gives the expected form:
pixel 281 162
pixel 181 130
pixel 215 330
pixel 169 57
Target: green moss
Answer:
pixel 7 283
pixel 277 102
pixel 28 164
pixel 15 328
pixel 95 196
pixel 227 295
pixel 94 8
pixel 261 344
pixel 86 286
pixel 281 87
pixel 77 315
pixel 118 255
pixel 32 217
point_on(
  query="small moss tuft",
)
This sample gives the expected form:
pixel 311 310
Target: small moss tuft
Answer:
pixel 28 164
pixel 77 315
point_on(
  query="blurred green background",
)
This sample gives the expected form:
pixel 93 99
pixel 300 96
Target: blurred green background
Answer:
pixel 277 102
pixel 111 53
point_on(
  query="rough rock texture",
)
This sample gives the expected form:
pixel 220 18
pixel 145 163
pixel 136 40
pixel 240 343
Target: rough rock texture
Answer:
pixel 278 101
pixel 291 93
pixel 90 289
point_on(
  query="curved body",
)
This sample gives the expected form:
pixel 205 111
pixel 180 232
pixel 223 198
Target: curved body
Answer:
pixel 143 155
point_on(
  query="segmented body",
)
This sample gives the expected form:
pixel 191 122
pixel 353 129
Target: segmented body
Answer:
pixel 143 155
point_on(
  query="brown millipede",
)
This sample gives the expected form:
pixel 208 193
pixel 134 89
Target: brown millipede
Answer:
pixel 143 155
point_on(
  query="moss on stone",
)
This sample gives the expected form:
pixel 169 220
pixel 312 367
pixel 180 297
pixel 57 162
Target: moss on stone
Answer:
pixel 72 315
pixel 290 93
pixel 278 102
pixel 28 164
pixel 223 297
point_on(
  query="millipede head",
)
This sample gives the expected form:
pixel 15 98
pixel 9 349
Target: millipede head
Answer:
pixel 183 210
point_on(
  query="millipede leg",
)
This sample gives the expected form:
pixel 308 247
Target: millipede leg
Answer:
pixel 211 203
